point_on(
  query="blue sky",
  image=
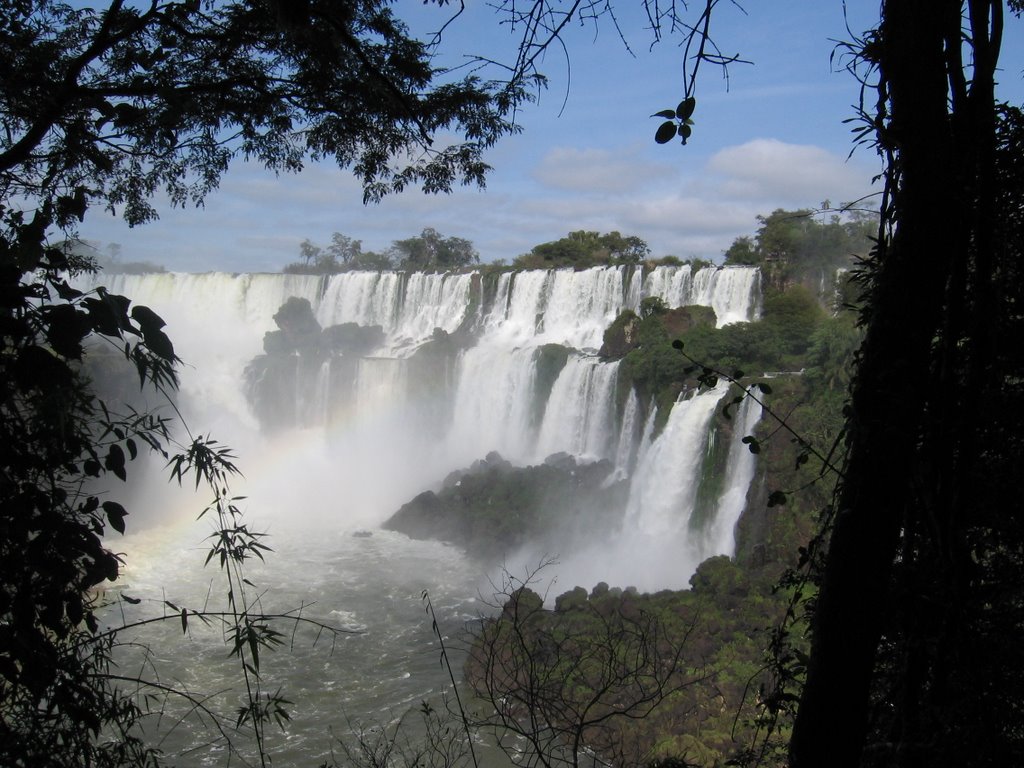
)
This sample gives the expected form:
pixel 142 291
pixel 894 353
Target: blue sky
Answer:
pixel 586 159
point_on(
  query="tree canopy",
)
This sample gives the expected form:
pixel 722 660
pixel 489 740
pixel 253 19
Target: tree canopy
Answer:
pixel 793 244
pixel 343 254
pixel 113 104
pixel 581 249
pixel 430 250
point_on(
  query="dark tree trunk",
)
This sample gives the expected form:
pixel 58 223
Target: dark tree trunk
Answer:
pixel 881 495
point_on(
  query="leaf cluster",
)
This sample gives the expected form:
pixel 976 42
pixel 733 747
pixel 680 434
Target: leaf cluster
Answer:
pixel 114 104
pixel 678 122
pixel 59 442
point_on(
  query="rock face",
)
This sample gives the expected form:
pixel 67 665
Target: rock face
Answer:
pixel 294 358
pixel 681 319
pixel 492 508
pixel 300 333
pixel 621 336
pixel 299 327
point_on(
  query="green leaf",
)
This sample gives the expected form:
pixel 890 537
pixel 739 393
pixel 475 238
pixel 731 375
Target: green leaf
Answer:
pixel 158 342
pixel 147 318
pixel 684 132
pixel 753 444
pixel 65 291
pixel 668 114
pixel 666 132
pixel 114 462
pixel 776 498
pixel 677 344
pixel 116 515
pixel 69 206
pixel 685 108
pixel 764 387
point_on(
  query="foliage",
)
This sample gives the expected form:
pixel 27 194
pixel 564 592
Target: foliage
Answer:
pixel 139 99
pixel 57 440
pixel 794 246
pixel 778 342
pixel 677 122
pixel 920 582
pixel 63 704
pixel 583 681
pixel 438 743
pixel 343 254
pixel 431 251
pixel 558 686
pixel 582 249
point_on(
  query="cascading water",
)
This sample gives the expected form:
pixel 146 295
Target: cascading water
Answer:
pixel 527 385
pixel 460 365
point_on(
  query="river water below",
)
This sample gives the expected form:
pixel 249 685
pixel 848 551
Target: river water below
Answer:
pixel 367 584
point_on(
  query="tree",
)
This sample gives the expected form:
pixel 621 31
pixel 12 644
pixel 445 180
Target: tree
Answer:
pixel 911 661
pixel 56 440
pixel 560 685
pixel 135 99
pixel 109 107
pixel 920 580
pixel 582 249
pixel 343 254
pixel 430 250
pixel 793 245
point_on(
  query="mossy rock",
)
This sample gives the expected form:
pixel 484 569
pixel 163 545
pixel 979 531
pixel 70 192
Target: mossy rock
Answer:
pixel 492 507
pixel 622 336
pixel 680 320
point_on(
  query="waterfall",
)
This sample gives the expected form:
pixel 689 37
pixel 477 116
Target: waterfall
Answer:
pixel 665 486
pixel 718 536
pixel 626 446
pixel 733 292
pixel 457 366
pixel 580 414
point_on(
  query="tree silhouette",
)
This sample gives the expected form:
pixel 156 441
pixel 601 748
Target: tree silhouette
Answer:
pixel 559 685
pixel 912 661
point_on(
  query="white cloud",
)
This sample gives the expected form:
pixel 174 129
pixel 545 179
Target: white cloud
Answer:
pixel 597 170
pixel 687 208
pixel 791 174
